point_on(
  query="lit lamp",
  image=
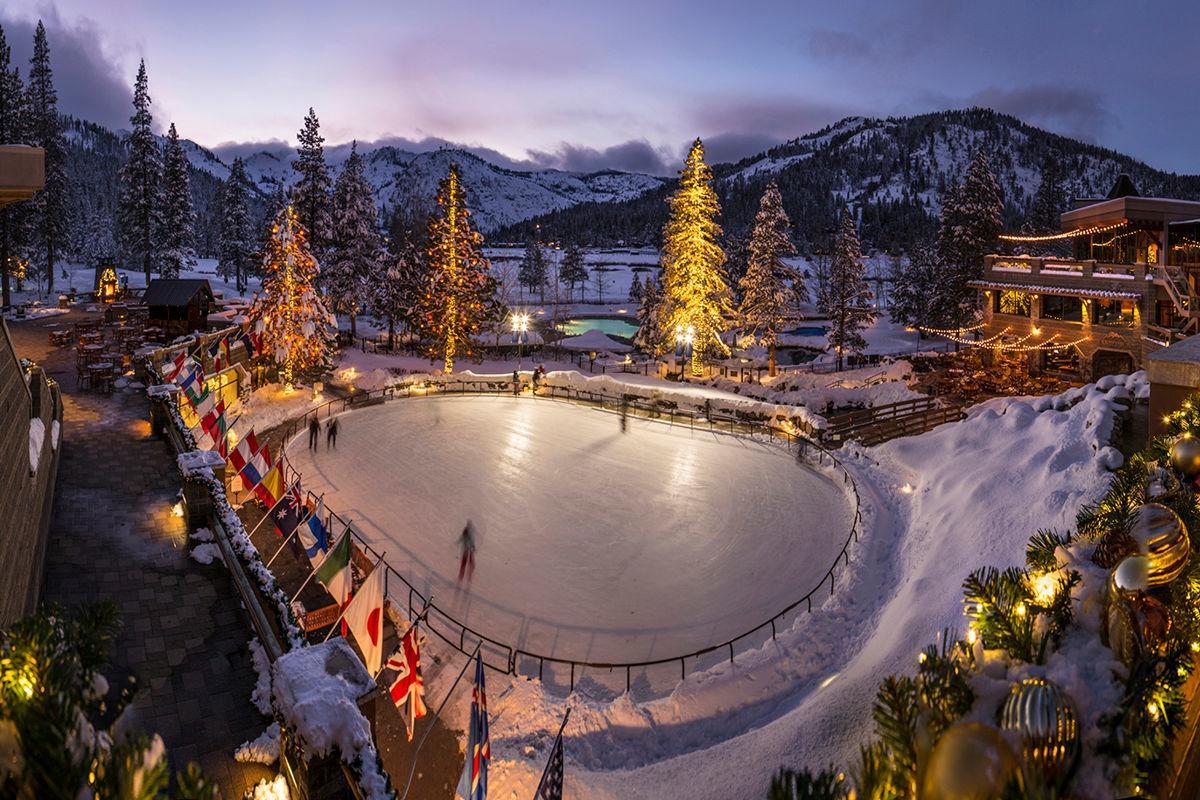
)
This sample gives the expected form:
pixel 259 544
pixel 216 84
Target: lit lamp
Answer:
pixel 318 387
pixel 683 344
pixel 520 327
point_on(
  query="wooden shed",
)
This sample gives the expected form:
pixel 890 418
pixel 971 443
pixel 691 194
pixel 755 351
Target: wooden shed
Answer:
pixel 179 306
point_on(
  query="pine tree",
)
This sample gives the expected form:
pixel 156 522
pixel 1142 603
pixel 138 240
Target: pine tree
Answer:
pixel 847 303
pixel 573 270
pixel 357 248
pixel 635 290
pixel 14 129
pixel 649 337
pixel 970 226
pixel 177 234
pixel 696 297
pixel 236 243
pixel 310 195
pixel 771 290
pixel 400 278
pixel 459 296
pixel 99 243
pixel 914 284
pixel 139 206
pixel 1050 200
pixel 296 329
pixel 51 213
pixel 532 274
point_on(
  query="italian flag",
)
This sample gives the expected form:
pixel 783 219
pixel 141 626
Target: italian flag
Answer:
pixel 334 571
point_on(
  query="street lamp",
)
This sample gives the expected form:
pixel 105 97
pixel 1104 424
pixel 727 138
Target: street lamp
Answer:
pixel 520 327
pixel 683 344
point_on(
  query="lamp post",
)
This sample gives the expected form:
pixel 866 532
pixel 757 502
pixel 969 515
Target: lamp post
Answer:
pixel 683 345
pixel 520 326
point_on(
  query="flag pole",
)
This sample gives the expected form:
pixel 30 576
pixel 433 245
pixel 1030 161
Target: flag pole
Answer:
pixel 429 727
pixel 546 770
pixel 272 508
pixel 333 627
pixel 313 571
pixel 288 538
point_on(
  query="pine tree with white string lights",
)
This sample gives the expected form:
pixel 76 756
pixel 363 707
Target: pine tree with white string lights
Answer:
pixel 297 330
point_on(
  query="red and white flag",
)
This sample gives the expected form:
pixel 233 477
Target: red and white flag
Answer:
pixel 364 617
pixel 402 676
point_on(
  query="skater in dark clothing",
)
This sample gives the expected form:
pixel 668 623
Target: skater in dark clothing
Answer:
pixel 536 378
pixel 314 433
pixel 624 413
pixel 466 542
pixel 331 431
pixel 516 383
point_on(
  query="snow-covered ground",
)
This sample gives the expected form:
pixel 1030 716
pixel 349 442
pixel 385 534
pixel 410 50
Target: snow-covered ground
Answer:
pixel 592 545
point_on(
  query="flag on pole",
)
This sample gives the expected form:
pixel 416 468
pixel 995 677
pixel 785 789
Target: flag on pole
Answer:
pixel 250 341
pixel 270 489
pixel 473 783
pixel 288 512
pixel 174 368
pixel 244 451
pixel 257 467
pixel 551 785
pixel 314 537
pixel 402 676
pixel 334 570
pixel 192 385
pixel 218 353
pixel 364 617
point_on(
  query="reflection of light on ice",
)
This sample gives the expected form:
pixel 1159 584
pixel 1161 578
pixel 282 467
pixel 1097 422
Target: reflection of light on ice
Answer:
pixel 517 445
pixel 683 471
pixel 830 679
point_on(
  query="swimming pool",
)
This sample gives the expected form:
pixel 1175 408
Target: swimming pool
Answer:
pixel 607 325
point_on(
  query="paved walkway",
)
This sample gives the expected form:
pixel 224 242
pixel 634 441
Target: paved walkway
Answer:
pixel 113 536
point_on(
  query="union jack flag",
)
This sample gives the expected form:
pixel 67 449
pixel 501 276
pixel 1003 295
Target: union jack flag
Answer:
pixel 402 675
pixel 473 783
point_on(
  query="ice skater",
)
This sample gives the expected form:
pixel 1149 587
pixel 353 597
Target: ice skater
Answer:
pixel 624 413
pixel 516 383
pixel 536 377
pixel 331 432
pixel 314 433
pixel 466 564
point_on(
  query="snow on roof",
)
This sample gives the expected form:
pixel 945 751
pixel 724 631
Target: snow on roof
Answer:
pixel 1186 350
pixel 1107 294
pixel 593 339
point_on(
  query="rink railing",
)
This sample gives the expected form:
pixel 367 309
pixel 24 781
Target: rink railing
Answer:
pixel 509 659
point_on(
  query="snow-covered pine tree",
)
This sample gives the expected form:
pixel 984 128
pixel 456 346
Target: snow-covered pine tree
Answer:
pixel 14 129
pixel 695 294
pixel 177 235
pixel 297 330
pixel 396 290
pixel 573 270
pixel 847 303
pixel 1049 202
pixel 913 285
pixel 649 337
pixel 311 195
pixel 236 244
pixel 635 290
pixel 139 204
pixel 356 251
pixel 771 290
pixel 98 244
pixel 460 295
pixel 51 214
pixel 970 226
pixel 532 274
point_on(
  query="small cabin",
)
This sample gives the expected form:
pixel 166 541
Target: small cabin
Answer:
pixel 106 284
pixel 178 306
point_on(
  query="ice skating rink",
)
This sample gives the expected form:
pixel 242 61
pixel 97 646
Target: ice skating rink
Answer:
pixel 592 544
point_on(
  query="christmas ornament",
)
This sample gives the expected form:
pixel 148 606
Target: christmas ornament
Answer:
pixel 1160 535
pixel 1128 579
pixel 1160 483
pixel 1045 717
pixel 1113 546
pixel 971 761
pixel 1137 625
pixel 1185 456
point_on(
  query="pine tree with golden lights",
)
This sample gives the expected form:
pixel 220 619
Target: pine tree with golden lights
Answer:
pixel 459 298
pixel 696 296
pixel 296 328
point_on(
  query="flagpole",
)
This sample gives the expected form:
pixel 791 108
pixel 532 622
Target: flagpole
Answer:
pixel 272 508
pixel 333 627
pixel 561 728
pixel 288 538
pixel 429 727
pixel 313 571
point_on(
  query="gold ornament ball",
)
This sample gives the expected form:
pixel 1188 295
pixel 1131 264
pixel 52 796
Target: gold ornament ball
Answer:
pixel 1044 716
pixel 1185 456
pixel 971 761
pixel 1161 536
pixel 1137 625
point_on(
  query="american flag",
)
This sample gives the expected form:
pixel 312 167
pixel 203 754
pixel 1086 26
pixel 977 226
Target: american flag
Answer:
pixel 402 675
pixel 551 786
pixel 473 783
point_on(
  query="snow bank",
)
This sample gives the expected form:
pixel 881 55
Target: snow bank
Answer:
pixel 263 750
pixel 206 553
pixel 37 437
pixel 822 393
pixel 199 463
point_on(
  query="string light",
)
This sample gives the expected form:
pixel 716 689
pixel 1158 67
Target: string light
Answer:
pixel 1018 346
pixel 1051 237
pixel 949 331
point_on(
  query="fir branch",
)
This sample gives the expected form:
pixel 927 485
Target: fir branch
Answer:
pixel 943 687
pixel 790 784
pixel 895 713
pixel 1040 551
pixel 999 604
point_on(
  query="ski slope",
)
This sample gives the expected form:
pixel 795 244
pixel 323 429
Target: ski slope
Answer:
pixel 592 545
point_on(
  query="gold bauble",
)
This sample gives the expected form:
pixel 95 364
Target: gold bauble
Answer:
pixel 971 761
pixel 1044 716
pixel 1127 580
pixel 1161 536
pixel 1185 456
pixel 1137 625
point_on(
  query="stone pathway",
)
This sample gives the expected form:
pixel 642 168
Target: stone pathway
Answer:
pixel 113 537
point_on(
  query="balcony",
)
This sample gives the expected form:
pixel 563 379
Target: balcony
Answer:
pixel 22 172
pixel 1064 268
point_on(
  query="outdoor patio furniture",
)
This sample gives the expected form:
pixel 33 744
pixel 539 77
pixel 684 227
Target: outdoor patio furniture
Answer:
pixel 59 337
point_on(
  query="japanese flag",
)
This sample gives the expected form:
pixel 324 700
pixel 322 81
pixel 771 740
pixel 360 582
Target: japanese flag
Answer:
pixel 364 617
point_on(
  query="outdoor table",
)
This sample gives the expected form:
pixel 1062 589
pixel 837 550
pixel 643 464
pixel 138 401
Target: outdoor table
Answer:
pixel 91 338
pixel 101 375
pixel 59 337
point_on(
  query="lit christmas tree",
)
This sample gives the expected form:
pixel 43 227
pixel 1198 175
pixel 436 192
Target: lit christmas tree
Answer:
pixel 696 296
pixel 296 328
pixel 459 297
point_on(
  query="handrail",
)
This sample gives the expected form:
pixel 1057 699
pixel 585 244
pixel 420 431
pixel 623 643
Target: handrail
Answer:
pixel 659 409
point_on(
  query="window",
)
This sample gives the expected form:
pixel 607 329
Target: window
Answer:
pixel 1067 309
pixel 1012 302
pixel 1115 313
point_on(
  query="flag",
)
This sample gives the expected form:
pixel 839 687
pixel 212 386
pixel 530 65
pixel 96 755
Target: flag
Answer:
pixel 270 489
pixel 256 467
pixel 244 451
pixel 402 676
pixel 218 353
pixel 192 384
pixel 364 617
pixel 334 570
pixel 473 783
pixel 551 785
pixel 313 535
pixel 250 341
pixel 289 511
pixel 173 369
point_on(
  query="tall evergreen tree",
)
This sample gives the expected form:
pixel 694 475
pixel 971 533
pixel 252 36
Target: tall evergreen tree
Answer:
pixel 236 244
pixel 51 213
pixel 635 290
pixel 532 274
pixel 847 301
pixel 970 227
pixel 357 248
pixel 139 205
pixel 396 289
pixel 14 129
pixel 696 297
pixel 1050 200
pixel 310 195
pixel 573 270
pixel 771 290
pixel 177 235
pixel 914 284
pixel 649 337
pixel 459 296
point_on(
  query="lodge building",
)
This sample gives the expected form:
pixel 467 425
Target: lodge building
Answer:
pixel 1128 289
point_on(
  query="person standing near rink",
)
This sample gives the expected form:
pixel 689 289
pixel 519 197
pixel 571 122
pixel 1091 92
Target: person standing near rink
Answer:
pixel 314 433
pixel 466 543
pixel 331 432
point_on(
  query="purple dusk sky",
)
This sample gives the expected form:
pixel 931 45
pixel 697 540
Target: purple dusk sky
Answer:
pixel 618 83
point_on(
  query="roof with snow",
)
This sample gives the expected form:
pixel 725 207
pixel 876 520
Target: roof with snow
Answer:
pixel 593 339
pixel 175 291
pixel 1034 288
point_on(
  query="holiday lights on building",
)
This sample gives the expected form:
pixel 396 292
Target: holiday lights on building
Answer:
pixel 1052 237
